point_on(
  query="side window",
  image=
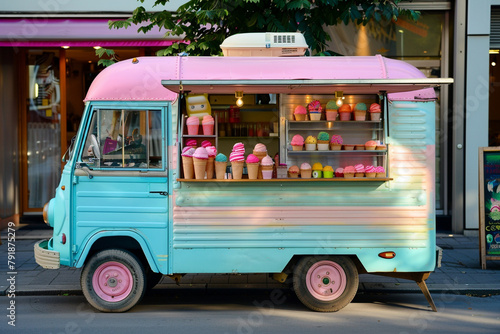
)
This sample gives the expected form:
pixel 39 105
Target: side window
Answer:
pixel 124 139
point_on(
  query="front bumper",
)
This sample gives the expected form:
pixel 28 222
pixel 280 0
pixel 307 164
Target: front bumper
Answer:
pixel 47 259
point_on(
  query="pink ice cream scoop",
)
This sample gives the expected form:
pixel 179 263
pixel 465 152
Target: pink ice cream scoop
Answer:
pixel 207 120
pixel 193 120
pixel 336 139
pixel 297 140
pixel 300 110
pixel 379 169
pixel 200 153
pixel 305 165
pixel 370 169
pixel 360 168
pixel 314 106
pixel 191 142
pixel 211 150
pixel 349 170
pixel 260 148
pixel 267 161
pixel 375 107
pixel 252 159
pixel 188 152
pixel 206 143
pixel 238 153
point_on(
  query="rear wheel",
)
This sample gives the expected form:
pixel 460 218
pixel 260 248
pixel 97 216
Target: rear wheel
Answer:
pixel 325 283
pixel 113 280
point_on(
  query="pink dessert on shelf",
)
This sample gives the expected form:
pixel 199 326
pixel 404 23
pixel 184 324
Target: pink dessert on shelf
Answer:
pixel 375 111
pixel 360 170
pixel 339 172
pixel 349 171
pixel 238 153
pixel 206 143
pixel 208 125
pixel 188 151
pixel 191 143
pixel 315 109
pixel 200 153
pixel 212 151
pixel 370 145
pixel 380 171
pixel 297 142
pixel 193 125
pixel 300 113
pixel 252 159
pixel 336 142
pixel 267 164
pixel 370 171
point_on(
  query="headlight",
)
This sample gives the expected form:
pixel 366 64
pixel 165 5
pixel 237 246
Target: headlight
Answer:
pixel 46 213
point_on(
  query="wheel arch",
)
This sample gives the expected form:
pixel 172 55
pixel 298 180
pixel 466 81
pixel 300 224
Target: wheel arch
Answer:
pixel 295 259
pixel 126 240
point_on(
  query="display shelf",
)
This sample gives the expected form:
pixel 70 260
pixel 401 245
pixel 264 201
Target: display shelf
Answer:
pixel 335 179
pixel 338 152
pixel 198 136
pixel 247 137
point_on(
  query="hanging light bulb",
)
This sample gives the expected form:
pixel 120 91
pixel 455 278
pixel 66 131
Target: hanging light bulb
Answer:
pixel 239 98
pixel 339 97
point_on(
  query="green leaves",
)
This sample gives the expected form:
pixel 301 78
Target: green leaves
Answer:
pixel 204 24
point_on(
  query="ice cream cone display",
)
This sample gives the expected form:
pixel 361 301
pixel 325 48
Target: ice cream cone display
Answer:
pixel 300 113
pixel 370 171
pixel 260 151
pixel 380 171
pixel 323 141
pixel 293 172
pixel 349 172
pixel 187 162
pixel 345 112
pixel 375 112
pixel 310 143
pixel 208 125
pixel 297 143
pixel 305 171
pixel 370 145
pixel 212 152
pixel 220 166
pixel 267 167
pixel 317 170
pixel 331 110
pixel 200 158
pixel 193 125
pixel 336 143
pixel 253 166
pixel 327 172
pixel 237 159
pixel 315 109
pixel 360 112
pixel 360 170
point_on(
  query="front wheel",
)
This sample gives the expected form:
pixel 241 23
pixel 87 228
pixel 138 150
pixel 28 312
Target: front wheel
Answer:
pixel 325 283
pixel 113 280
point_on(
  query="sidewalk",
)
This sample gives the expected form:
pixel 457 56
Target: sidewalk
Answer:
pixel 460 272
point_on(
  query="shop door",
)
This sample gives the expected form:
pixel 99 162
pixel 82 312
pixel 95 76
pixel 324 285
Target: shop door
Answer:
pixel 42 130
pixel 120 176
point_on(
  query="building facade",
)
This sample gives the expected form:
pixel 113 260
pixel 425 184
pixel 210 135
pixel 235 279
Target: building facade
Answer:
pixel 48 60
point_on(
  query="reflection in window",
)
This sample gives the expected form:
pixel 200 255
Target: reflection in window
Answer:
pixel 124 139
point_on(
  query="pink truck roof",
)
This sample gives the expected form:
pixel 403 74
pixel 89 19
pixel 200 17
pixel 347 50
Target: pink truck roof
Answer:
pixel 147 78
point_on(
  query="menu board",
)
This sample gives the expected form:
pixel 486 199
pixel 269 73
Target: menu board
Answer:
pixel 489 204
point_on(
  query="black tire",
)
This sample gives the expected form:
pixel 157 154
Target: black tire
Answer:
pixel 113 280
pixel 325 283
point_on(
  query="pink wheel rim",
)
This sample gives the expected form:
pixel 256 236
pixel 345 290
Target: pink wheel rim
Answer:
pixel 112 281
pixel 326 280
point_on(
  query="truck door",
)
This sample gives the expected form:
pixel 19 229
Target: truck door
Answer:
pixel 120 182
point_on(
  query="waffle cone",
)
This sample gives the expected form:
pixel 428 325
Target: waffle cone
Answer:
pixel 300 117
pixel 260 155
pixel 200 165
pixel 220 169
pixel 210 168
pixel 253 170
pixel 187 164
pixel 270 167
pixel 237 168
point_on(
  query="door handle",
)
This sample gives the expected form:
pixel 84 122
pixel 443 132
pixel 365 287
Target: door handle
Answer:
pixel 163 193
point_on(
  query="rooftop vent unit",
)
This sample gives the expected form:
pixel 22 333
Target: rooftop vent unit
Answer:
pixel 268 44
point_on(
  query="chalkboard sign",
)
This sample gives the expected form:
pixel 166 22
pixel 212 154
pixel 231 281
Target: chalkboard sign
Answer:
pixel 489 204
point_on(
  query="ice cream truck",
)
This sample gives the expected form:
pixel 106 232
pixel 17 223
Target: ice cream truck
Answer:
pixel 139 196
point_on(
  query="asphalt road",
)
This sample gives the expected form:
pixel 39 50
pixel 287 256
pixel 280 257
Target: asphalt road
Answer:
pixel 254 311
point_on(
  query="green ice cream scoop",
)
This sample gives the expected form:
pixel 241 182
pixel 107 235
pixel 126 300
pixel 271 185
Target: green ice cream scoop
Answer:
pixel 323 136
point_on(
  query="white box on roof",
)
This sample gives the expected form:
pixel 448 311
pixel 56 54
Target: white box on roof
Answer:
pixel 268 44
